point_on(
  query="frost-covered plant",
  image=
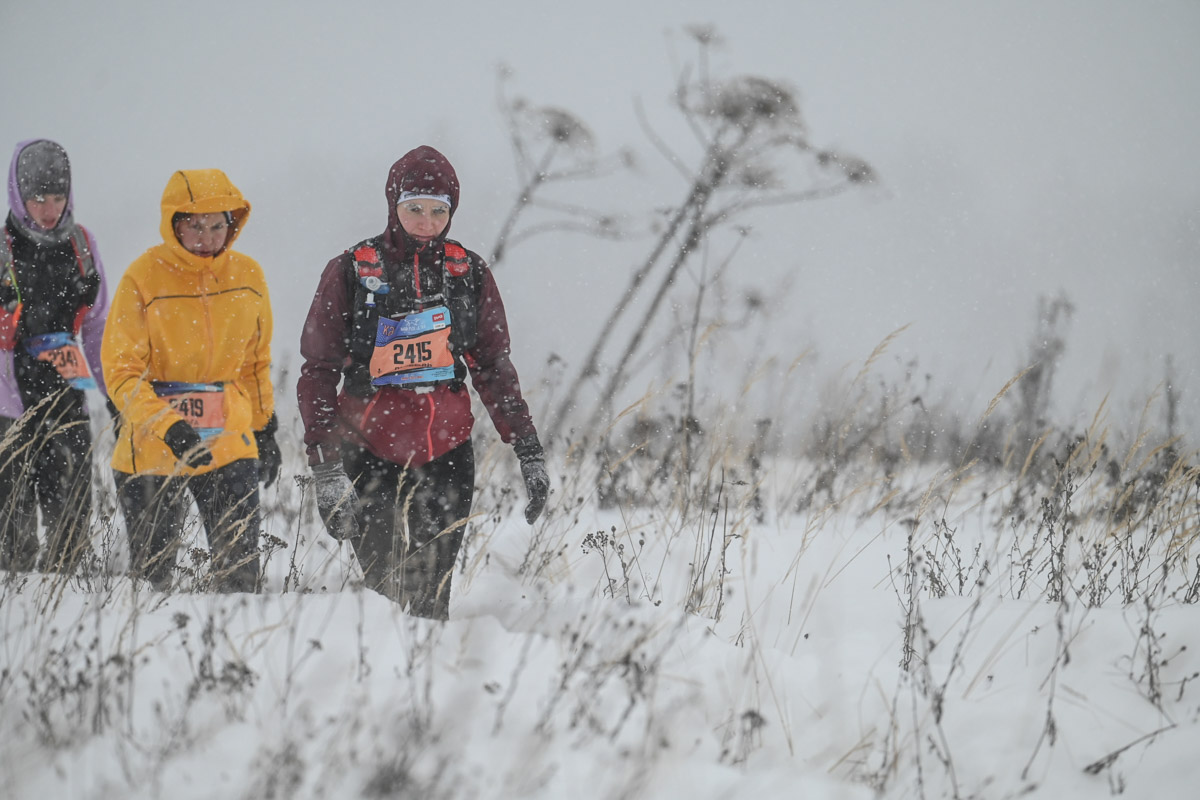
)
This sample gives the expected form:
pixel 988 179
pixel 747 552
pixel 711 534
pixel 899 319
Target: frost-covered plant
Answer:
pixel 742 127
pixel 552 146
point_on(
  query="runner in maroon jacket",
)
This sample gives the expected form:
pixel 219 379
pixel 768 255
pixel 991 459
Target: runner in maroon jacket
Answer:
pixel 401 321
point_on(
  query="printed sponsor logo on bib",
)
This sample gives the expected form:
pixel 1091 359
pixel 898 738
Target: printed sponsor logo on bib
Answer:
pixel 414 350
pixel 62 352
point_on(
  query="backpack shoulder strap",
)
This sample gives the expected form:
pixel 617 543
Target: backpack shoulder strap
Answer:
pixel 6 256
pixel 458 263
pixel 462 296
pixel 366 254
pixel 455 251
pixel 365 263
pixel 83 250
pixel 8 271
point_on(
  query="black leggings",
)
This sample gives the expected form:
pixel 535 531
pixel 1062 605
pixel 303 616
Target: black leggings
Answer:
pixel 46 462
pixel 409 540
pixel 155 507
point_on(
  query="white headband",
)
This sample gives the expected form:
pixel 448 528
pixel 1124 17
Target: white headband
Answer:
pixel 406 196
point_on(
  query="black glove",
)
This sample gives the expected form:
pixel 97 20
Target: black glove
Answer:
pixel 533 470
pixel 269 458
pixel 187 445
pixel 337 501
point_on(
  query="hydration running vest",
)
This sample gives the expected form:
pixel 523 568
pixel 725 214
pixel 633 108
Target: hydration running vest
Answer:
pixel 372 297
pixel 10 313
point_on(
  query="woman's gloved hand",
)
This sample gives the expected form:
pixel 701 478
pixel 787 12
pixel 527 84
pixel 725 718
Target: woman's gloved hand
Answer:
pixel 337 501
pixel 270 460
pixel 533 470
pixel 187 445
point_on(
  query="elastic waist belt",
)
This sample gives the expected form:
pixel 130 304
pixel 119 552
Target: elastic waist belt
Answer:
pixel 168 388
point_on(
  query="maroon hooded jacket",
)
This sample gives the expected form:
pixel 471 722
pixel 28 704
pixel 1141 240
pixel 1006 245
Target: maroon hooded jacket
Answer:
pixel 399 424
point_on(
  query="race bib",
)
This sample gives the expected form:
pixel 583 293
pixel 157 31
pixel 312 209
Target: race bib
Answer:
pixel 413 351
pixel 202 405
pixel 62 352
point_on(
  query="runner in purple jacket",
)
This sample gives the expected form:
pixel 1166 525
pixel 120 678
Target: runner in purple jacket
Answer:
pixel 53 304
pixel 401 321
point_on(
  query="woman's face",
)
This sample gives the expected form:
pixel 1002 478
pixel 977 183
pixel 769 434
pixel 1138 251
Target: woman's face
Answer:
pixel 46 209
pixel 423 219
pixel 202 234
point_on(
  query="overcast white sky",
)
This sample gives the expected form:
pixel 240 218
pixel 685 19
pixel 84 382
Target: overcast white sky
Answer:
pixel 1025 148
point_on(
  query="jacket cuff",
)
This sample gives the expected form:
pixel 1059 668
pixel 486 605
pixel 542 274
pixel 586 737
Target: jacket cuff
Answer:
pixel 528 446
pixel 324 453
pixel 163 424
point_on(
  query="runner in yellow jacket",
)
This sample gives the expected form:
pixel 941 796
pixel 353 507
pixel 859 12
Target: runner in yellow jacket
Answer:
pixel 187 355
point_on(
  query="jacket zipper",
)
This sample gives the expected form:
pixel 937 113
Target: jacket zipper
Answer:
pixel 421 307
pixel 417 277
pixel 362 421
pixel 208 326
pixel 429 428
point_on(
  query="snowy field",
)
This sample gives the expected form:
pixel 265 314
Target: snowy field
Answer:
pixel 943 633
pixel 1024 626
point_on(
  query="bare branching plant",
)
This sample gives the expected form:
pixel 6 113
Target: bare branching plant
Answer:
pixel 551 145
pixel 742 127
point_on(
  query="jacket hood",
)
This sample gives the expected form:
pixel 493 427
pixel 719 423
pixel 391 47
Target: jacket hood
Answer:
pixel 201 191
pixel 16 203
pixel 423 170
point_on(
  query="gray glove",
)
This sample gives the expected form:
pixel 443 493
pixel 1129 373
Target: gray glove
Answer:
pixel 533 471
pixel 337 501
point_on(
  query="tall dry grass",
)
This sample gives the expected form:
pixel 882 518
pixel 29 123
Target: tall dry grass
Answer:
pixel 977 510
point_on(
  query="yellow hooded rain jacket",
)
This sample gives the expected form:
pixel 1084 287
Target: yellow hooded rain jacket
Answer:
pixel 176 316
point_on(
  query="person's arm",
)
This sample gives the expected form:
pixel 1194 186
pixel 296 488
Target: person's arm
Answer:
pixel 125 356
pixel 492 372
pixel 325 348
pixel 255 375
pixel 91 333
pixel 495 379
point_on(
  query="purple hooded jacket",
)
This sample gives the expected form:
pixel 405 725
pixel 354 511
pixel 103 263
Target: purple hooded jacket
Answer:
pixel 93 322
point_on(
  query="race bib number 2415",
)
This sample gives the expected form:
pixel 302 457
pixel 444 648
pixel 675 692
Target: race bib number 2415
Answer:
pixel 413 351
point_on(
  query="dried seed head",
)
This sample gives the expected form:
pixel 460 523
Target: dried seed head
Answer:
pixel 854 168
pixel 749 101
pixel 557 125
pixel 704 34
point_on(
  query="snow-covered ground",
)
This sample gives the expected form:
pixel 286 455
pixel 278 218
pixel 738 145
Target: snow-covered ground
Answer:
pixel 905 640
